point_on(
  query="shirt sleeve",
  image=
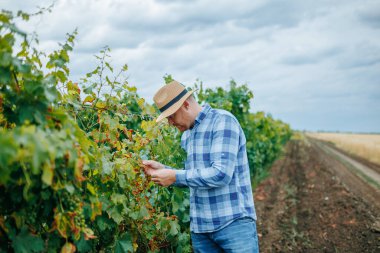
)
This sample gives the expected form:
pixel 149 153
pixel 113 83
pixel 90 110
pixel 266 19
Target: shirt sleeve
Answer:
pixel 177 182
pixel 223 155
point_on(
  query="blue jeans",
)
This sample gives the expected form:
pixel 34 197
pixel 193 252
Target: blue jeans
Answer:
pixel 239 236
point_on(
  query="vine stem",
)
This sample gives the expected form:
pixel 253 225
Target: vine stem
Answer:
pixel 17 84
pixel 27 179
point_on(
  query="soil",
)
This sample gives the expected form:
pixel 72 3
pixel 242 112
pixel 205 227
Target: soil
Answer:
pixel 306 206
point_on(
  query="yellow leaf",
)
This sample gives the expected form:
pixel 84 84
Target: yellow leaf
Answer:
pixel 47 174
pixel 135 246
pixel 141 102
pixel 18 220
pixel 131 88
pixel 68 248
pixel 101 105
pixel 61 223
pixel 96 210
pixel 88 99
pixel 73 86
pixel 91 188
pixel 88 234
pixel 2 224
pixel 79 169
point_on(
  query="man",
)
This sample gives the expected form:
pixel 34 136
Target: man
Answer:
pixel 222 212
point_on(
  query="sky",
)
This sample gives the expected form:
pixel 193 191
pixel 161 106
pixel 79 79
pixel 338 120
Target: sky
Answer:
pixel 312 64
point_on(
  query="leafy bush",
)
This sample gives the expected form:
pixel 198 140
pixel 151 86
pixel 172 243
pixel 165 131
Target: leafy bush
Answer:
pixel 70 156
pixel 70 159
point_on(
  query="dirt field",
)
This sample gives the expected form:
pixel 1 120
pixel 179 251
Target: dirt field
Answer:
pixel 313 203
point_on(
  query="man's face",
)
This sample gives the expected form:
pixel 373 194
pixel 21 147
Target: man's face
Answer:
pixel 179 119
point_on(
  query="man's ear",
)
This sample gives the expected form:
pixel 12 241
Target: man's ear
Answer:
pixel 186 104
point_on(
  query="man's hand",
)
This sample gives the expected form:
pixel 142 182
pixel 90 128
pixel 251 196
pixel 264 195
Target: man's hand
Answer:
pixel 150 164
pixel 159 174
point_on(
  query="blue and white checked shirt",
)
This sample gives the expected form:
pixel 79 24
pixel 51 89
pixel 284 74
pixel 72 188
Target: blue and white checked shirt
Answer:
pixel 217 171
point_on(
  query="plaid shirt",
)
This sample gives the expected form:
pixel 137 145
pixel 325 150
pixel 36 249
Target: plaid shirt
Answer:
pixel 217 171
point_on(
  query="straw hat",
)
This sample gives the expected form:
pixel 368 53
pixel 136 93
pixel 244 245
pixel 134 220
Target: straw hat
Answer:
pixel 170 98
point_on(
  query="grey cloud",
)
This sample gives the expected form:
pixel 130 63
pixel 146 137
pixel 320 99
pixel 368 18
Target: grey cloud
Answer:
pixel 177 1
pixel 281 14
pixel 184 17
pixel 310 63
pixel 311 57
pixel 361 55
pixel 362 63
pixel 270 15
pixel 371 16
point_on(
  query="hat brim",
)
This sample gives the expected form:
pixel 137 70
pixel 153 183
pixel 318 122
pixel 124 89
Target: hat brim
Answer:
pixel 174 107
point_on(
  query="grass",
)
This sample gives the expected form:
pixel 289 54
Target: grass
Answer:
pixel 366 146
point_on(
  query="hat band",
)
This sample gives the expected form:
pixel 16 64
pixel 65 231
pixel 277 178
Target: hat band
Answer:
pixel 173 101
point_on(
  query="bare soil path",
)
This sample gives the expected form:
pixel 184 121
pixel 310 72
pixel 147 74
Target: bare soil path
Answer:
pixel 307 206
pixel 368 173
pixel 359 178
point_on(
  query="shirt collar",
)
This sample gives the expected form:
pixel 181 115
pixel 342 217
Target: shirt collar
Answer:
pixel 202 114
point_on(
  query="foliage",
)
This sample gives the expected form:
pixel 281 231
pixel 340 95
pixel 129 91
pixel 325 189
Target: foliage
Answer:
pixel 70 176
pixel 70 157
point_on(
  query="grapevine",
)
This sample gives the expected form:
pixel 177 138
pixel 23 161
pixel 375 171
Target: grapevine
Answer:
pixel 71 153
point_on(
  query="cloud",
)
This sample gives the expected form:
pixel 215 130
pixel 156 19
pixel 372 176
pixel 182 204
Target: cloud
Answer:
pixel 371 15
pixel 308 62
pixel 314 57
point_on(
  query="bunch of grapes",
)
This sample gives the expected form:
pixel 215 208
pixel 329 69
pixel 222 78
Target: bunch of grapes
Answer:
pixel 74 207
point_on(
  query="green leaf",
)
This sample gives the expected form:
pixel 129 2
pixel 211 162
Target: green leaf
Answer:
pixel 115 214
pixel 5 75
pixel 174 227
pixel 5 59
pixel 134 215
pixel 117 198
pixel 27 113
pixel 20 67
pixel 104 223
pixel 61 76
pixel 8 149
pixel 143 212
pixel 109 67
pixel 24 242
pixel 124 244
pixel 83 245
pixel 88 90
pixel 70 188
pixel 107 165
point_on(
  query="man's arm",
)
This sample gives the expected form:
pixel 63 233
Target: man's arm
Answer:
pixel 223 155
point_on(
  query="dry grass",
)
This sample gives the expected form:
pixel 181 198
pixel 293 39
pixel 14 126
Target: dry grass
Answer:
pixel 364 145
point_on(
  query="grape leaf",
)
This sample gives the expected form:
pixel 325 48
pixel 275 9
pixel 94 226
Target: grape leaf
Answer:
pixel 24 242
pixel 124 244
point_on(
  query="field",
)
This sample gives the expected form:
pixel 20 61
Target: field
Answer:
pixel 71 177
pixel 314 202
pixel 366 146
